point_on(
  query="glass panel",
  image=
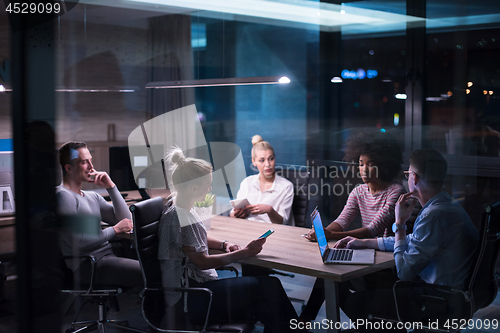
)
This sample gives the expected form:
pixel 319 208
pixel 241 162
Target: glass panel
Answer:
pixel 461 78
pixel 462 82
pixel 347 64
pixel 7 204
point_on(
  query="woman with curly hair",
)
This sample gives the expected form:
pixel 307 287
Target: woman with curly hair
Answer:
pixel 379 157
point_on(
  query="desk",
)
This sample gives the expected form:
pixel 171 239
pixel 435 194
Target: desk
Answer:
pixel 287 250
pixel 7 234
pixel 133 196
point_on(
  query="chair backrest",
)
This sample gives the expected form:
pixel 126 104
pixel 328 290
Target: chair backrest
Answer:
pixel 483 286
pixel 300 181
pixel 146 217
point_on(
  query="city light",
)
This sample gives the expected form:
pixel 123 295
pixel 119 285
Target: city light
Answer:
pixel 396 119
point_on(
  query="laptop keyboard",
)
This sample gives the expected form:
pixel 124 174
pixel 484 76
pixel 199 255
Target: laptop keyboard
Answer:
pixel 340 255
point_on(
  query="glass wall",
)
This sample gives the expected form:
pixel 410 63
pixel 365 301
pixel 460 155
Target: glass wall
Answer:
pixel 429 77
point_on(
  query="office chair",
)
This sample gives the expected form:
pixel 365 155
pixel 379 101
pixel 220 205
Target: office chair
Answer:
pixel 97 294
pixel 146 216
pixel 300 181
pixel 430 303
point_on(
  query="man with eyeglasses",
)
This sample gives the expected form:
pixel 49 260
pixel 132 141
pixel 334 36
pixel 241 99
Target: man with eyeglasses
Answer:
pixel 439 251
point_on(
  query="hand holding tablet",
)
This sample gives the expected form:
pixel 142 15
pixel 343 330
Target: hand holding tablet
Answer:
pixel 239 203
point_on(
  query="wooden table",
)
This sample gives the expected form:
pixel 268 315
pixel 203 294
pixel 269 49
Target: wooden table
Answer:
pixel 287 250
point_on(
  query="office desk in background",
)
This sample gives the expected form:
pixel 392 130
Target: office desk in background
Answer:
pixel 287 250
pixel 7 234
pixel 133 196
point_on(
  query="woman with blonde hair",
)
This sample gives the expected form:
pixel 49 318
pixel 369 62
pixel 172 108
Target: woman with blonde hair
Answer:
pixel 270 195
pixel 184 259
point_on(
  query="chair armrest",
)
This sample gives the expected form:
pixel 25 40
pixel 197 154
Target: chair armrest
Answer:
pixel 92 261
pixel 188 290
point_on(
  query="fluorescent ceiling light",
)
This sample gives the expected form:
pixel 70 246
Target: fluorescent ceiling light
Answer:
pixel 95 89
pixel 336 79
pixel 238 81
pixel 299 11
pixel 351 18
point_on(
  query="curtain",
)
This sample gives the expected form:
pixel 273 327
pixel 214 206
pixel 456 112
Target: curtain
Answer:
pixel 171 60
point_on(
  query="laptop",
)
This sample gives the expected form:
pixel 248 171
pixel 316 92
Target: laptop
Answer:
pixel 339 256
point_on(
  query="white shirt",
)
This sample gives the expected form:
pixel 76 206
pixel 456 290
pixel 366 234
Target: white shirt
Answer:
pixel 279 196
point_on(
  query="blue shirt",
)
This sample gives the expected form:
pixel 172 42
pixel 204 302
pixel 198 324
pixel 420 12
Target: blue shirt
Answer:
pixel 441 248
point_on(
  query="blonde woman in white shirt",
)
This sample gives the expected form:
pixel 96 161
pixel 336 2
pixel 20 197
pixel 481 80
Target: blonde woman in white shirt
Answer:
pixel 270 195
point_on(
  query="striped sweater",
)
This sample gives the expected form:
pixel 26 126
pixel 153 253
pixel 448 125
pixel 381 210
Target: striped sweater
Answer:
pixel 377 211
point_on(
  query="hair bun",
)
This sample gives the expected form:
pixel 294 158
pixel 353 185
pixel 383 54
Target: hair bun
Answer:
pixel 256 139
pixel 177 156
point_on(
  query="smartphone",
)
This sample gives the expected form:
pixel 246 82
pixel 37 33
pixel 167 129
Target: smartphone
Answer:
pixel 267 233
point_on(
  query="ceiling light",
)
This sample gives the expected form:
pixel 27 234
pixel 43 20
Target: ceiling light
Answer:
pixel 401 96
pixel 96 89
pixel 291 11
pixel 238 81
pixel 284 79
pixel 3 89
pixel 336 79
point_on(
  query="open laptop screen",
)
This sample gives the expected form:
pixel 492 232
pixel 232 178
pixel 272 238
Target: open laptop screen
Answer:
pixel 320 233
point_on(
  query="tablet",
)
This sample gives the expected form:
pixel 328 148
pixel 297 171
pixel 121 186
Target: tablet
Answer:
pixel 239 203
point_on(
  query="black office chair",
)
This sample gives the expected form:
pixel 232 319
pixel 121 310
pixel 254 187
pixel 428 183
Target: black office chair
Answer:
pixel 100 295
pixel 146 217
pixel 300 181
pixel 427 303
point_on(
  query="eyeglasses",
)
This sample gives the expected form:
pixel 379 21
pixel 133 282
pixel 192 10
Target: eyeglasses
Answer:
pixel 407 173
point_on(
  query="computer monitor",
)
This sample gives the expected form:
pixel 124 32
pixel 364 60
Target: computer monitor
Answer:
pixel 7 205
pixel 122 164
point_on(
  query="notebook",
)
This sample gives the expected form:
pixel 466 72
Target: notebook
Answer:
pixel 339 256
